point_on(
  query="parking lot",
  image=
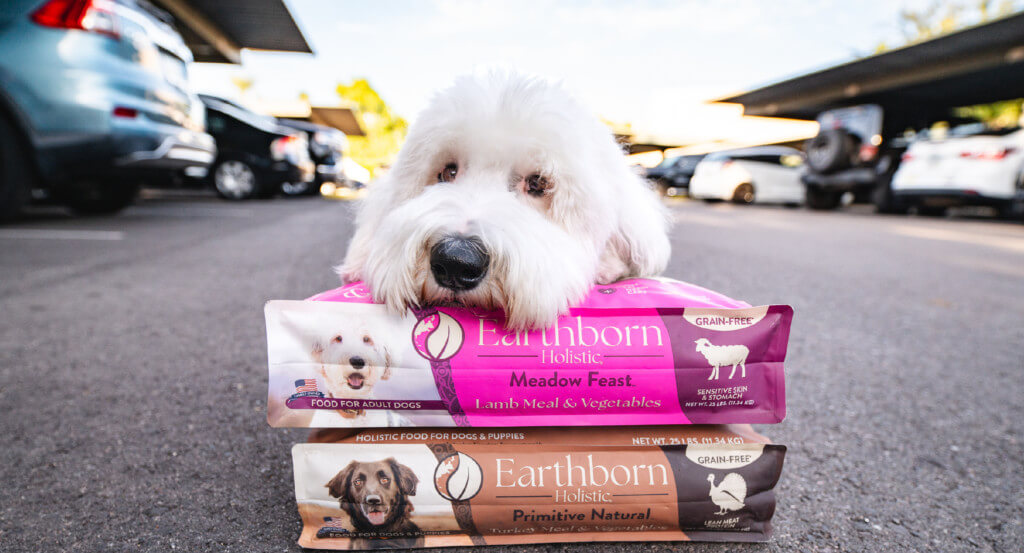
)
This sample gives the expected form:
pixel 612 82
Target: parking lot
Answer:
pixel 133 372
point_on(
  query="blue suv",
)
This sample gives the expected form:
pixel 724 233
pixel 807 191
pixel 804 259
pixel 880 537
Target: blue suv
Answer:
pixel 94 99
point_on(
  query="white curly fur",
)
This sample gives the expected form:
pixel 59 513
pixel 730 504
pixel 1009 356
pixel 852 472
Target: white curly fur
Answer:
pixel 599 221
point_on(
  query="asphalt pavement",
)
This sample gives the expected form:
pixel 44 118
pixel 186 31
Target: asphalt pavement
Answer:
pixel 133 373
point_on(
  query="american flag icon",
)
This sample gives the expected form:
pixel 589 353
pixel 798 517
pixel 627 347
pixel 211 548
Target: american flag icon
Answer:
pixel 305 385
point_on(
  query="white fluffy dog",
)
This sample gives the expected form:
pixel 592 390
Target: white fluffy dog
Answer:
pixel 357 355
pixel 507 194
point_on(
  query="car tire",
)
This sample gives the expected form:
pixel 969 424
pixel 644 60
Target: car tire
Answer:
pixel 234 179
pixel 823 199
pixel 887 202
pixel 744 194
pixel 101 197
pixel 16 173
pixel 830 150
pixel 1014 209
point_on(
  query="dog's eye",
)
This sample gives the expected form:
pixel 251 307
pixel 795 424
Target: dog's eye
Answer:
pixel 536 185
pixel 367 340
pixel 448 173
pixel 385 480
pixel 359 482
pixel 337 339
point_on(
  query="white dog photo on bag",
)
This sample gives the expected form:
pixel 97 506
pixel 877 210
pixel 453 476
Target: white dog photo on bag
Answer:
pixel 353 358
pixel 507 195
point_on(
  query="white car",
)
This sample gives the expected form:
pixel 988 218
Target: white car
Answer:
pixel 983 168
pixel 765 174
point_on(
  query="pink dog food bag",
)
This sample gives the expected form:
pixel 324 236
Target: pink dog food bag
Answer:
pixel 636 352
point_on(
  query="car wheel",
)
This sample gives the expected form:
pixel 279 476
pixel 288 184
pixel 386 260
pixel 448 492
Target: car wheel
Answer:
pixel 823 199
pixel 887 202
pixel 1014 209
pixel 15 172
pixel 234 179
pixel 98 197
pixel 292 189
pixel 831 150
pixel 744 194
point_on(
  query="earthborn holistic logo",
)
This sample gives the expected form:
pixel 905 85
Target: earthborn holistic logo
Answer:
pixel 437 337
pixel 305 387
pixel 458 477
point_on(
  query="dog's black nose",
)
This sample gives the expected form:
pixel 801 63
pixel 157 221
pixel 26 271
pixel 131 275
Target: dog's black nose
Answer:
pixel 357 362
pixel 459 263
pixel 373 500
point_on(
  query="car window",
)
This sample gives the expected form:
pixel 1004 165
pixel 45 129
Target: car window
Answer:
pixel 760 158
pixel 215 122
pixel 864 121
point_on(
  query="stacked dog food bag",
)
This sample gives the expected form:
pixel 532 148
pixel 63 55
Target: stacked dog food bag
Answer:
pixel 628 420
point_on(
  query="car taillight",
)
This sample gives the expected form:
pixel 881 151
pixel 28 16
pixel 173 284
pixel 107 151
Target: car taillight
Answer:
pixel 867 152
pixel 121 111
pixel 907 156
pixel 280 147
pixel 85 15
pixel 989 155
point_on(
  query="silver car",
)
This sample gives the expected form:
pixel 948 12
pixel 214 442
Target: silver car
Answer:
pixel 94 99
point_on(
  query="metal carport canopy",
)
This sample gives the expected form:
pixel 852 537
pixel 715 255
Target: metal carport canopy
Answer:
pixel 979 64
pixel 216 30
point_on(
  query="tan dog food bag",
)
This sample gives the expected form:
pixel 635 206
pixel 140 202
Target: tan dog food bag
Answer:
pixel 435 487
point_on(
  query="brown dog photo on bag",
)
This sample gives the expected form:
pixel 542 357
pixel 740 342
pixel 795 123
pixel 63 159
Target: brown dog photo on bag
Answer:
pixel 375 497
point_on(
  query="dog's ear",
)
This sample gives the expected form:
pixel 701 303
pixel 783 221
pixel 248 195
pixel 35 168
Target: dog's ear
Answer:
pixel 338 486
pixel 317 351
pixel 407 479
pixel 639 244
pixel 387 362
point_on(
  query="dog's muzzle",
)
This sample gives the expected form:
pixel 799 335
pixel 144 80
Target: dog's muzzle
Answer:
pixel 459 263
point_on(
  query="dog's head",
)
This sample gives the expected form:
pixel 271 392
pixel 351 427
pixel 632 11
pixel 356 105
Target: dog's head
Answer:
pixel 507 194
pixel 374 494
pixel 354 357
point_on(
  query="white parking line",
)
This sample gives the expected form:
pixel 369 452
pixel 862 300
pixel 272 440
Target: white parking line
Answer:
pixel 1001 242
pixel 733 221
pixel 685 217
pixel 58 234
pixel 190 212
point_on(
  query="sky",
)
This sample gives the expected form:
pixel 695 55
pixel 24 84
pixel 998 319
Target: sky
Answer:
pixel 652 64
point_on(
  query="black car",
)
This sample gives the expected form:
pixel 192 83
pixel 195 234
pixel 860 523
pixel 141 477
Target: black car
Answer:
pixel 255 154
pixel 326 148
pixel 857 150
pixel 672 176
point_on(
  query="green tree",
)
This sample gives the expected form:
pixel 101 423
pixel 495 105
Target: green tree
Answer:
pixel 385 130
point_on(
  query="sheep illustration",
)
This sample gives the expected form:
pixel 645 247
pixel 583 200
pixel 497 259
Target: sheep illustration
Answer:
pixel 719 356
pixel 730 494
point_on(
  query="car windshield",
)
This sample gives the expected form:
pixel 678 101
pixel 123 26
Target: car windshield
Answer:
pixel 864 121
pixel 263 122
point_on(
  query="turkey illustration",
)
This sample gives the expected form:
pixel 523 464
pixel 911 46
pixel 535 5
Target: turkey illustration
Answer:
pixel 730 494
